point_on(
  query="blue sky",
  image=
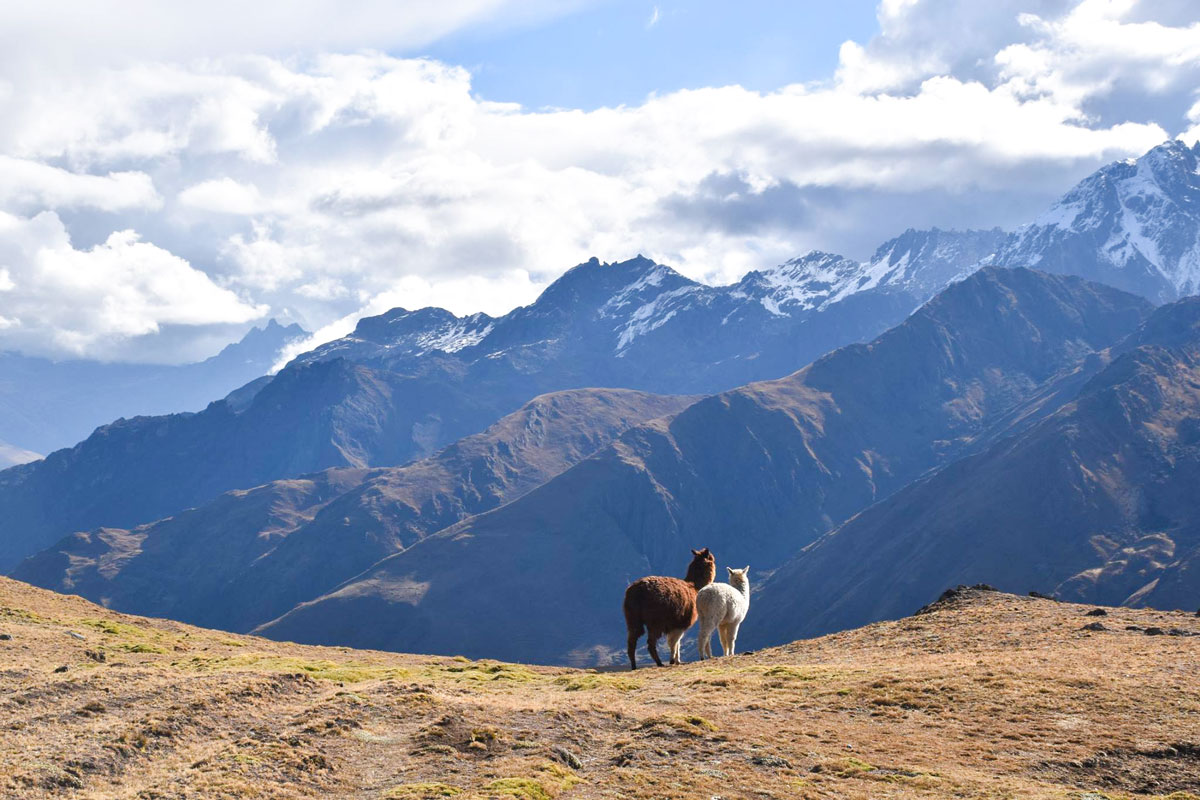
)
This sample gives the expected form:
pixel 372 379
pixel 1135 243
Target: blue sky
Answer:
pixel 174 173
pixel 619 52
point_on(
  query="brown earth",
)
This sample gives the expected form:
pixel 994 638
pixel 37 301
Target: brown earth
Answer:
pixel 987 695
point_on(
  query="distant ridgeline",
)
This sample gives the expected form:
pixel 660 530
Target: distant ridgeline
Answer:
pixel 994 435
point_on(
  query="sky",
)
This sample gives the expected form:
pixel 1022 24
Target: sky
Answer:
pixel 173 174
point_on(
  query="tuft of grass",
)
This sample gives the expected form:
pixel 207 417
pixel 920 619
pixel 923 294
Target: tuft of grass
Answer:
pixel 421 791
pixel 113 628
pixel 850 766
pixel 552 779
pixel 480 671
pixel 689 724
pixel 321 669
pixel 520 788
pixel 139 647
pixel 593 681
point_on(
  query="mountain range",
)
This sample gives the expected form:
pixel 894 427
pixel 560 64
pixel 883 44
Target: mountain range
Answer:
pixel 755 474
pixel 251 555
pixel 1096 503
pixel 48 405
pixel 1032 429
pixel 405 384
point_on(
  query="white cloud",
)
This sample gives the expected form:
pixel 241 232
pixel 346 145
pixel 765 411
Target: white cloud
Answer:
pixel 223 196
pixel 333 185
pixel 123 32
pixel 32 184
pixel 62 301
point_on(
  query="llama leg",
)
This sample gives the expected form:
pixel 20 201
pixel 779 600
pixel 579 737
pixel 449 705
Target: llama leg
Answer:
pixel 673 638
pixel 704 641
pixel 723 632
pixel 632 642
pixel 652 635
pixel 733 632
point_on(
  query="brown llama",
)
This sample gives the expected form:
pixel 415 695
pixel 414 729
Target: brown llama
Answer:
pixel 661 605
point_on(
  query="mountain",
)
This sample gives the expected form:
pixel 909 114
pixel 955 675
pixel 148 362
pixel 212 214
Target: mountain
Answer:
pixel 1096 504
pixel 101 704
pixel 1133 224
pixel 47 405
pixel 755 473
pixel 251 555
pixel 405 384
pixel 643 325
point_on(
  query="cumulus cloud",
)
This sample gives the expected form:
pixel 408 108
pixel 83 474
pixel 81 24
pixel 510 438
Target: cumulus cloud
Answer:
pixel 59 300
pixel 327 185
pixel 33 184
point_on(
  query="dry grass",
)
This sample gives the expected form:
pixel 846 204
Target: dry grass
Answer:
pixel 991 696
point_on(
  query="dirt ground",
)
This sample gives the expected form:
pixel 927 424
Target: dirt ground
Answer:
pixel 987 696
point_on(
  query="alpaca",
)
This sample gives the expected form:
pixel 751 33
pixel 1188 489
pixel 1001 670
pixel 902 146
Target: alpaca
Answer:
pixel 723 606
pixel 666 605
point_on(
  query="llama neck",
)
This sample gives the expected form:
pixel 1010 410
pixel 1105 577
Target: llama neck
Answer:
pixel 742 586
pixel 699 577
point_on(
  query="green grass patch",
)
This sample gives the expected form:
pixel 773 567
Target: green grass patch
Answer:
pixel 321 669
pixel 480 671
pixel 521 788
pixel 421 791
pixel 551 780
pixel 849 766
pixel 138 647
pixel 112 628
pixel 689 724
pixel 21 615
pixel 589 681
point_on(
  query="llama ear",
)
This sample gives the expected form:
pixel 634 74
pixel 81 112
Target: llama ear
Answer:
pixel 731 570
pixel 746 570
pixel 697 553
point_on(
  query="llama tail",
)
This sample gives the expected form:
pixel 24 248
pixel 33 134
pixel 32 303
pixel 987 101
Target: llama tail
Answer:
pixel 635 626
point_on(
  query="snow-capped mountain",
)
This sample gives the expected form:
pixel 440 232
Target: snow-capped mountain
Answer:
pixel 1133 224
pixel 919 263
pixel 925 262
pixel 641 311
pixel 400 333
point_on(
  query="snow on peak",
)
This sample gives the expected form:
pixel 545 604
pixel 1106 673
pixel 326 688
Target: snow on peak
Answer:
pixel 1135 216
pixel 803 283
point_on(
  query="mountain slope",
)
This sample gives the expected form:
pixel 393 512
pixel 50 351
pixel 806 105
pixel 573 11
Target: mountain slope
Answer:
pixel 145 468
pixel 408 383
pixel 982 697
pixel 1133 224
pixel 1096 503
pixel 47 405
pixel 249 556
pixel 754 474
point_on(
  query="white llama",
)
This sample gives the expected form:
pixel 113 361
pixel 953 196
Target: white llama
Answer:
pixel 723 607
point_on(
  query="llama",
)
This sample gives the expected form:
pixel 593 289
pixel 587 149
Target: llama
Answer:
pixel 723 606
pixel 666 605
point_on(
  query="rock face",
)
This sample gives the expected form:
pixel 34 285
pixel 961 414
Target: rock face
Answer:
pixel 251 555
pixel 1097 500
pixel 1133 224
pixel 405 384
pixel 755 474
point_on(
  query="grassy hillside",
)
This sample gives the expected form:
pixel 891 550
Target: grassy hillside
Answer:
pixel 989 695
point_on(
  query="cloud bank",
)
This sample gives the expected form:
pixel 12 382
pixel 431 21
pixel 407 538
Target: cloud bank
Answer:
pixel 222 188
